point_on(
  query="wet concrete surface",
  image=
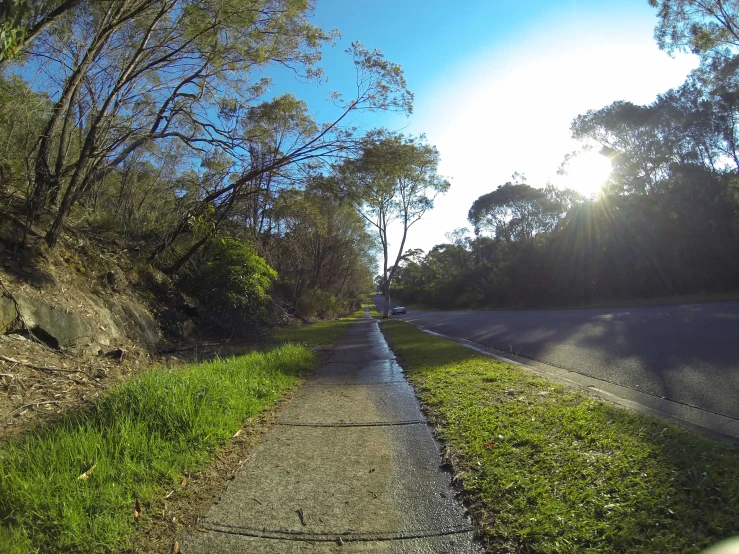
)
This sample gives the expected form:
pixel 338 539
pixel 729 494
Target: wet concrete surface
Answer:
pixel 350 466
pixel 686 353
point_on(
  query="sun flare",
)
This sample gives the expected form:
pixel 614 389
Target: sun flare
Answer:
pixel 587 173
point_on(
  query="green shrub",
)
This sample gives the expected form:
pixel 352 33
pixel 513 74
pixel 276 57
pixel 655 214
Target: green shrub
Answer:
pixel 233 281
pixel 320 304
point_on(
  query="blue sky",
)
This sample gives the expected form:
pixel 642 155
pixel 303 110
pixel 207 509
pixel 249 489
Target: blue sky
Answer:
pixel 497 83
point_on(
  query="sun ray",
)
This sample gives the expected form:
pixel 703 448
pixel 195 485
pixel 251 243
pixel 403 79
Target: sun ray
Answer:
pixel 587 173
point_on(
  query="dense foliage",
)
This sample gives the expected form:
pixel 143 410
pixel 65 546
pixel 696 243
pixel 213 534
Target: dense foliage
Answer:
pixel 152 120
pixel 233 280
pixel 666 223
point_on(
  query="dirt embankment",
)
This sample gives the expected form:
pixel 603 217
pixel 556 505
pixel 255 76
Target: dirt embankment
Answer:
pixel 77 319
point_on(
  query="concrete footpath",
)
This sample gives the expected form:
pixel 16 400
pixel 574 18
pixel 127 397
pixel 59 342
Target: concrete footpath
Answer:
pixel 350 466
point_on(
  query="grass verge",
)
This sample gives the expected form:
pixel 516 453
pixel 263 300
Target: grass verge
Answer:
pixel 88 482
pixel 370 304
pixel 74 486
pixel 550 470
pixel 321 333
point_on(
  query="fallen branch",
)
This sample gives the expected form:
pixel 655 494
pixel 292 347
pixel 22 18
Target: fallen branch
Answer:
pixel 15 303
pixel 42 368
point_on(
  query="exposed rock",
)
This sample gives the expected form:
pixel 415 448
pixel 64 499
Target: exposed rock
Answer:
pixel 91 326
pixel 55 326
pixel 132 320
pixel 8 314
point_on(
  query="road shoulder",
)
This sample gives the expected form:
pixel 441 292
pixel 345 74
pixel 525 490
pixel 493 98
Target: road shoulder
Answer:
pixel 711 424
pixel 547 468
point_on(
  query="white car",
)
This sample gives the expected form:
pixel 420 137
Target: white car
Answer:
pixel 398 310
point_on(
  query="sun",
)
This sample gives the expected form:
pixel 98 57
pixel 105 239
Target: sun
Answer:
pixel 587 173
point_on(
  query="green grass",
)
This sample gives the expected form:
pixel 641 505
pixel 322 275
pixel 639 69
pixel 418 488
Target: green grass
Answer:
pixel 141 439
pixel 370 304
pixel 551 470
pixel 322 333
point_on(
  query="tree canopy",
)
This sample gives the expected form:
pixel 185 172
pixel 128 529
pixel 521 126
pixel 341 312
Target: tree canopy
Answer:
pixel 153 119
pixel 394 180
pixel 666 223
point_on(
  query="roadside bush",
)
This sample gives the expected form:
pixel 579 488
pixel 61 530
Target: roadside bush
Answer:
pixel 320 304
pixel 234 282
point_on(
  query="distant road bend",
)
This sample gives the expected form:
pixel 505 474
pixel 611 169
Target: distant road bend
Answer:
pixel 687 353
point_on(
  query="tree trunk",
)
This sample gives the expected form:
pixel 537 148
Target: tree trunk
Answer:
pixel 175 267
pixel 386 282
pixel 52 236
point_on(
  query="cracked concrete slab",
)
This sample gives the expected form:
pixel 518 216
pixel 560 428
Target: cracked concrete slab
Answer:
pixel 350 466
pixel 447 544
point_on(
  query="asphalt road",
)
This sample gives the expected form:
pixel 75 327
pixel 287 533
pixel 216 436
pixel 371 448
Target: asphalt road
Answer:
pixel 686 353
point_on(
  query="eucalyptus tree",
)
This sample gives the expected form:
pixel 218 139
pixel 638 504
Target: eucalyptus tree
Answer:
pixel 709 28
pixel 288 139
pixel 697 123
pixel 133 72
pixel 22 114
pixel 323 252
pixel 517 212
pixel 21 21
pixel 632 137
pixel 692 124
pixel 130 75
pixel 394 180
